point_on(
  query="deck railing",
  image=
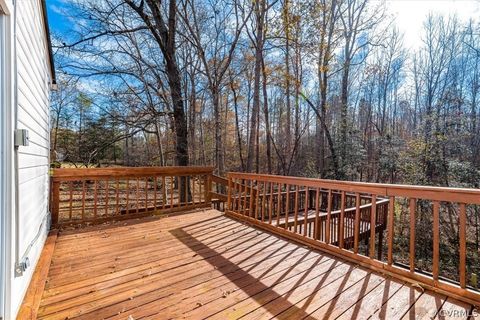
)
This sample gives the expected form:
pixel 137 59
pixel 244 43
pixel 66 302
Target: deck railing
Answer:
pixel 349 219
pixel 93 195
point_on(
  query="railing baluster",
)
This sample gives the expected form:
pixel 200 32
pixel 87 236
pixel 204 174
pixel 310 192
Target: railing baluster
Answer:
pixel 107 194
pixel 95 198
pixel 241 197
pixel 155 181
pixel 187 187
pixel 295 214
pixel 70 184
pixel 117 198
pixel 250 206
pixel 127 190
pixel 462 233
pixel 329 213
pixel 185 191
pixel 244 205
pixel 236 195
pixel 264 199
pixel 373 226
pixel 137 202
pixel 146 194
pixel 164 192
pixel 341 228
pixel 56 202
pixel 413 204
pixel 316 230
pixel 305 220
pixel 279 203
pixel 83 199
pixel 391 221
pixel 229 194
pixel 172 191
pixel 193 191
pixel 270 208
pixel 356 232
pixel 436 239
pixel 287 207
pixel 256 201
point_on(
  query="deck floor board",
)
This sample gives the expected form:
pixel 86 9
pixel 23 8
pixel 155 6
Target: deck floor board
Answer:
pixel 202 265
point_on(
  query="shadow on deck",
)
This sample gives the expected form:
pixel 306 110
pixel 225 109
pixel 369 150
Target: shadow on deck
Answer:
pixel 203 264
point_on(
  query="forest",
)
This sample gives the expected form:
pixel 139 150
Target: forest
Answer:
pixel 317 88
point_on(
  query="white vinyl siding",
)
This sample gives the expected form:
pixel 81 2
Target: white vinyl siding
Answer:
pixel 33 77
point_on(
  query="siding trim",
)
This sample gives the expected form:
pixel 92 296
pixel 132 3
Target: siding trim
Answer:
pixel 6 158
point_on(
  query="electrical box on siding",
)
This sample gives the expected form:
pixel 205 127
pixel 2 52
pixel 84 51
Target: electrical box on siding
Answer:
pixel 21 138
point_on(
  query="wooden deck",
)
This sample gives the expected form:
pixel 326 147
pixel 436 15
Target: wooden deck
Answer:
pixel 205 265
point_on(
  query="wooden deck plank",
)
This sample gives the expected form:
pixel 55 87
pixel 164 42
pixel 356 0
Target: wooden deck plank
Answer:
pixel 197 288
pixel 205 265
pixel 398 304
pixel 426 307
pixel 114 265
pixel 348 297
pixel 155 268
pixel 372 301
pixel 321 295
pixel 260 293
pixel 146 244
pixel 194 262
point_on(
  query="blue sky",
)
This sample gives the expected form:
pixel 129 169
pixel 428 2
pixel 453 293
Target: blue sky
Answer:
pixel 409 14
pixel 59 23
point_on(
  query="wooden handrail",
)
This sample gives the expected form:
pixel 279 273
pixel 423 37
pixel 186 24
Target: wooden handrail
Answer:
pixel 471 196
pixel 65 174
pixel 92 195
pixel 321 219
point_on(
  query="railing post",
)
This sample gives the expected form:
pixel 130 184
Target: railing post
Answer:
pixel 208 188
pixel 55 201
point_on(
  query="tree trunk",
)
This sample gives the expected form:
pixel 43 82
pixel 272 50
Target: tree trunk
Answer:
pixel 267 120
pixel 260 13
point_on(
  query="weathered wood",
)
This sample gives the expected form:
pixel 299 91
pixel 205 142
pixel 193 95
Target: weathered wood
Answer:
pixel 344 227
pixel 456 195
pixel 220 280
pixel 467 295
pixel 98 201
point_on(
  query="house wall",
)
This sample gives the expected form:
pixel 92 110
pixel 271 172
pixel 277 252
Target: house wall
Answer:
pixel 30 106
